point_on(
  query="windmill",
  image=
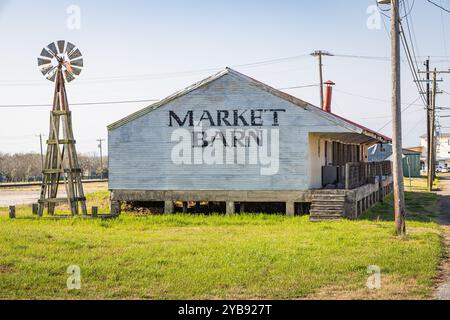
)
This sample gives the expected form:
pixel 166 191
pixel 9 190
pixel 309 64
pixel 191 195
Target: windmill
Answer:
pixel 61 62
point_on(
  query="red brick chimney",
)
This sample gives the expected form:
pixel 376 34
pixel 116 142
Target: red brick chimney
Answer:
pixel 328 96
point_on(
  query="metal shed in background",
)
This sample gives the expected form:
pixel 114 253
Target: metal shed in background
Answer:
pixel 411 163
pixel 411 158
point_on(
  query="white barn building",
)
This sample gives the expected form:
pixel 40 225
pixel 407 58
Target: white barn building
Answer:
pixel 232 139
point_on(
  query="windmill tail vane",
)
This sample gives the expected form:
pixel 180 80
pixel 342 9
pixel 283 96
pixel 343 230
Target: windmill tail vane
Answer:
pixel 61 62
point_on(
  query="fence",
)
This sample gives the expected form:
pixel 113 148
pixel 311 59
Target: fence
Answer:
pixel 361 173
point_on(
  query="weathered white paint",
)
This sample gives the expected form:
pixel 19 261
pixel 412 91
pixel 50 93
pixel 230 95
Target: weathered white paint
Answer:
pixel 140 147
pixel 316 160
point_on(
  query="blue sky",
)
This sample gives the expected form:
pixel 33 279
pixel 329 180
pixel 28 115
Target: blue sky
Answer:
pixel 124 39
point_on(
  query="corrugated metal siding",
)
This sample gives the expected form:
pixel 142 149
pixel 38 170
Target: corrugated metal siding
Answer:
pixel 140 151
pixel 411 162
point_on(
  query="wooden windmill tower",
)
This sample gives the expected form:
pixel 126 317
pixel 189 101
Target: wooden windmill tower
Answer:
pixel 61 62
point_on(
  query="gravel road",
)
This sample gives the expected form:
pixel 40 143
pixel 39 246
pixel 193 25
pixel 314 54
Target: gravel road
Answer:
pixel 29 195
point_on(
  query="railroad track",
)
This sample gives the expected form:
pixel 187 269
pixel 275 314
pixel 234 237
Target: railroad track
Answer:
pixel 34 184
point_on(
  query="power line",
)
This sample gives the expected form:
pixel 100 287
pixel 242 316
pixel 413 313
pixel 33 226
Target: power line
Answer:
pixel 416 125
pixel 162 75
pixel 439 6
pixel 10 106
pixel 94 103
pixel 444 35
pixel 79 104
pixel 373 98
pixel 388 9
pixel 300 87
pixel 376 58
pixel 405 109
pixel 168 75
pixel 416 77
pixel 408 25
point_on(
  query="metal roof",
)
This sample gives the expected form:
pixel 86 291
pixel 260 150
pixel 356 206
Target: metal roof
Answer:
pixel 338 120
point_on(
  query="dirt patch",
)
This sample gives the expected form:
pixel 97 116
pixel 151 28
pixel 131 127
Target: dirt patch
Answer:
pixel 5 269
pixel 442 291
pixel 443 279
pixel 391 288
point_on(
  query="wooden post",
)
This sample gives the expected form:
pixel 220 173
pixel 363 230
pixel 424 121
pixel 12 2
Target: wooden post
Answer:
pixel 427 65
pixel 12 212
pixel 94 212
pixel 242 207
pixel 433 131
pixel 319 54
pixel 290 209
pixel 321 80
pixel 231 210
pixel 115 207
pixel 347 176
pixel 399 192
pixel 35 207
pixel 380 183
pixel 168 207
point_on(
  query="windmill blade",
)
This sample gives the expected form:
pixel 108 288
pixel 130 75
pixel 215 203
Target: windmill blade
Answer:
pixel 61 46
pixel 61 56
pixel 46 54
pixel 77 63
pixel 47 69
pixel 74 55
pixel 69 77
pixel 76 71
pixel 69 48
pixel 52 75
pixel 42 62
pixel 52 49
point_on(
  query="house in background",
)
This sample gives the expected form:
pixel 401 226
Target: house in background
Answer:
pixel 411 158
pixel 442 150
pixel 312 160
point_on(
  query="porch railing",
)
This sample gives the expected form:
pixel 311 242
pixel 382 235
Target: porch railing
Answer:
pixel 361 173
pixel 354 175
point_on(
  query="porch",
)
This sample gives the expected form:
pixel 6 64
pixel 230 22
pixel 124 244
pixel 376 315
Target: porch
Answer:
pixel 344 184
pixel 353 175
pixel 327 204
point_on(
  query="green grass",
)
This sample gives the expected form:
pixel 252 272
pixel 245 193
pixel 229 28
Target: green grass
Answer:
pixel 420 207
pixel 421 204
pixel 209 257
pixel 192 257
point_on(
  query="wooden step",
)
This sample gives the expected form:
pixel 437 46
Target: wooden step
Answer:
pixel 327 208
pixel 333 204
pixel 323 199
pixel 325 218
pixel 329 196
pixel 329 202
pixel 330 192
pixel 327 212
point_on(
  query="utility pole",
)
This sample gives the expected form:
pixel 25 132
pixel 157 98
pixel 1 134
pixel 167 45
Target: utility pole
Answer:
pixel 429 148
pixel 433 130
pixel 319 54
pixel 399 188
pixel 101 155
pixel 431 133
